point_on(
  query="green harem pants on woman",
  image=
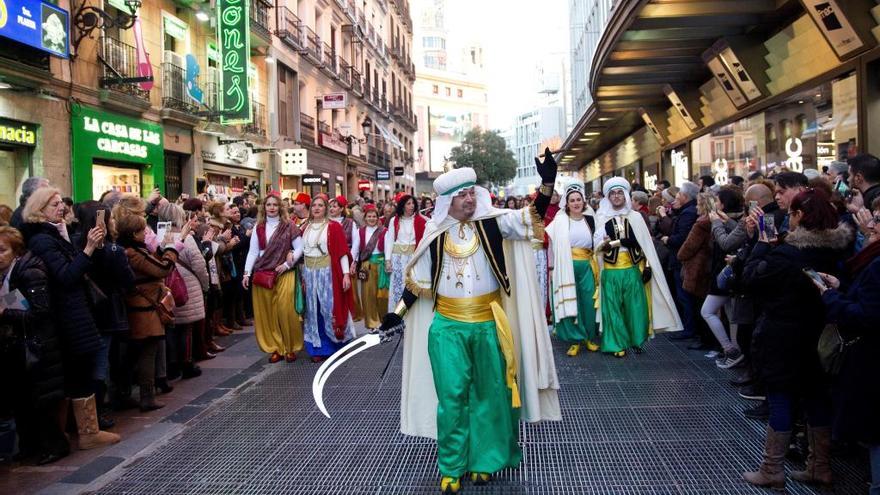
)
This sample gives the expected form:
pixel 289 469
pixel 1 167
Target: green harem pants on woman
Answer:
pixel 583 327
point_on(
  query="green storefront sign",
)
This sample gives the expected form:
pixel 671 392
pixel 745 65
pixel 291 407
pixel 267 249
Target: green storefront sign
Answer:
pixel 234 40
pixel 112 139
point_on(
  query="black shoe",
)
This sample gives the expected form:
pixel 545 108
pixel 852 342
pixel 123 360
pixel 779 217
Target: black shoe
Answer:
pixel 682 336
pixel 760 412
pixel 105 422
pixel 753 392
pixel 742 381
pixel 191 371
pixel 173 373
pixel 163 386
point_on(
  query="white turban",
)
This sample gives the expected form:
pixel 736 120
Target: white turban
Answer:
pixel 451 183
pixel 605 209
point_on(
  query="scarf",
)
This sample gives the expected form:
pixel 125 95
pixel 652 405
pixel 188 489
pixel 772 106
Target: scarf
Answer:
pixel 863 258
pixel 275 249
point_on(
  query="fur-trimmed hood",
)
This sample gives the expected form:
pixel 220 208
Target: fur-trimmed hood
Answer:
pixel 838 238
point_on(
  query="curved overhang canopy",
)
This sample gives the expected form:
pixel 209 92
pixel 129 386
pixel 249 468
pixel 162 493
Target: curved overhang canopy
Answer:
pixel 649 44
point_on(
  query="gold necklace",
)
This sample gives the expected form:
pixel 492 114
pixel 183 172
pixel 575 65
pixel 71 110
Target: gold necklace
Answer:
pixel 460 254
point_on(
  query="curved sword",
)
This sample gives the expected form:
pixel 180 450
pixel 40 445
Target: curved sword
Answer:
pixel 342 355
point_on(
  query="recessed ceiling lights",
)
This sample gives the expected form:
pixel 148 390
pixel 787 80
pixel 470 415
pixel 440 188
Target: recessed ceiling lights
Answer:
pixel 591 133
pixel 5 85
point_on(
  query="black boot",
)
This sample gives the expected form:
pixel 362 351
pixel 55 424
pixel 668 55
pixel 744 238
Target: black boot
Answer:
pixel 190 370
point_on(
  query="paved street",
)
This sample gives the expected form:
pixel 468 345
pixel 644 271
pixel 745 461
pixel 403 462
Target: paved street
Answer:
pixel 661 422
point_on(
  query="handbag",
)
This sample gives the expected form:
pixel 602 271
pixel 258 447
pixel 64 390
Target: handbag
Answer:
pixel 164 306
pixel 832 349
pixel 175 282
pixel 363 275
pixel 265 279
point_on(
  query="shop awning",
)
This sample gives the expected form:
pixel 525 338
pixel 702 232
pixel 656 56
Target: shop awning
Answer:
pixel 648 44
pixel 388 136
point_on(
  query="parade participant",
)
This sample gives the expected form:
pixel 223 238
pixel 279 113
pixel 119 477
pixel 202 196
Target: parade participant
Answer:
pixel 270 267
pixel 633 304
pixel 483 359
pixel 404 233
pixel 574 273
pixel 337 210
pixel 388 210
pixel 327 282
pixel 301 204
pixel 370 268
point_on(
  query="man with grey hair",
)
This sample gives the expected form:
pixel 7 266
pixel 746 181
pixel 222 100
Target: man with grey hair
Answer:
pixel 30 185
pixel 838 173
pixel 685 216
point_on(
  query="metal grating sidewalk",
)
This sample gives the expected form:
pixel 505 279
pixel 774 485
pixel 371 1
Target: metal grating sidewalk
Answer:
pixel 660 422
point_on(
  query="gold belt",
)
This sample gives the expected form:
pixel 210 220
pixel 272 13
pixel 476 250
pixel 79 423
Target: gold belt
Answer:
pixel 537 245
pixel 624 260
pixel 404 249
pixel 315 262
pixel 481 309
pixel 581 254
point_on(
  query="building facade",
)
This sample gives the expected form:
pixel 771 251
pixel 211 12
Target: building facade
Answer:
pixel 733 89
pixel 524 139
pixel 151 97
pixel 450 92
pixel 587 19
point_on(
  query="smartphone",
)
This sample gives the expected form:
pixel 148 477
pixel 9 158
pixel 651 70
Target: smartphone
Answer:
pixel 815 277
pixel 100 219
pixel 753 205
pixel 769 226
pixel 161 229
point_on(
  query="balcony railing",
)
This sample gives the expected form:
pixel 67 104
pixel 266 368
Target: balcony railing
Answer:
pixel 323 128
pixel 120 63
pixel 307 128
pixel 344 72
pixel 351 11
pixel 289 28
pixel 312 45
pixel 260 18
pixel 356 84
pixel 329 59
pixel 258 120
pixel 174 94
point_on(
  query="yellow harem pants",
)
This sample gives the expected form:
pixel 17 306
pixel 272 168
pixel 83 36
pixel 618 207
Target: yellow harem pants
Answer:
pixel 276 322
pixel 374 301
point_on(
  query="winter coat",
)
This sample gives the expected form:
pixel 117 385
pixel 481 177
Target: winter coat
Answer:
pixel 112 274
pixel 856 395
pixel 149 280
pixel 684 219
pixel 792 315
pixel 67 268
pixel 223 255
pixel 695 256
pixel 240 251
pixel 727 236
pixel 192 267
pixel 45 384
pixel 871 194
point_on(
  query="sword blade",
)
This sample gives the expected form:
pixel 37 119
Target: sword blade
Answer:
pixel 327 368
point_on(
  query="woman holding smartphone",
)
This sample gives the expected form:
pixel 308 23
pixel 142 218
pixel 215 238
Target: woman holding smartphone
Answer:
pixel 787 333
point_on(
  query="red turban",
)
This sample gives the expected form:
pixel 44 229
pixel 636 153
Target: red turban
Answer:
pixel 303 198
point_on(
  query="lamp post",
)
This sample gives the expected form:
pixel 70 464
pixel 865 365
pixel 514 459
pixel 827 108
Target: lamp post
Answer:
pixel 366 126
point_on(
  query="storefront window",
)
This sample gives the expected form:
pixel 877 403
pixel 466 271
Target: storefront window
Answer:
pixel 111 178
pixel 730 150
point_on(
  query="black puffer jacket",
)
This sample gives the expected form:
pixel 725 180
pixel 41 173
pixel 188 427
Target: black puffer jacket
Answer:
pixel 67 267
pixel 792 313
pixel 45 383
pixel 111 272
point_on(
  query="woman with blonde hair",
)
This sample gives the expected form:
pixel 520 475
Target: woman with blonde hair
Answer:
pixel 369 265
pixel 221 265
pixel 276 245
pixel 67 266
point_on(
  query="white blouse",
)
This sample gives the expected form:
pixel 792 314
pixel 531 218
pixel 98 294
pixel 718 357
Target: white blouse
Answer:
pixel 315 240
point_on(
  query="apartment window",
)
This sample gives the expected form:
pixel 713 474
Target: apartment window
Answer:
pixel 435 89
pixel 459 93
pixel 448 91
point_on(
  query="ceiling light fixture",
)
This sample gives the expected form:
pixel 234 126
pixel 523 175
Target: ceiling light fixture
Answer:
pixel 5 85
pixel 591 133
pixel 202 16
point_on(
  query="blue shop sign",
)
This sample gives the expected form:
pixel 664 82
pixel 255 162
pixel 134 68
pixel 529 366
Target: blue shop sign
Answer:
pixel 36 23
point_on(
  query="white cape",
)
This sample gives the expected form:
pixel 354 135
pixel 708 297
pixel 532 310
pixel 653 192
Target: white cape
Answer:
pixel 664 314
pixel 537 380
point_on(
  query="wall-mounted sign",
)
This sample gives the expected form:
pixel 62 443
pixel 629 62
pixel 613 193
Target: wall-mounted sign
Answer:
pixel 331 142
pixel 333 101
pixel 719 171
pixel 680 166
pixel 174 27
pixel 398 171
pixel 740 74
pixel 192 74
pixel 834 25
pixel 234 40
pixel 679 107
pixel 294 161
pixel 383 174
pixel 36 23
pixel 99 135
pixel 365 185
pixel 794 147
pixel 313 180
pixel 653 128
pixel 15 132
pixel 725 80
pixel 650 181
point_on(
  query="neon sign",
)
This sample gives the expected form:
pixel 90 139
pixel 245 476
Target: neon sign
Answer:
pixel 719 171
pixel 794 147
pixel 233 33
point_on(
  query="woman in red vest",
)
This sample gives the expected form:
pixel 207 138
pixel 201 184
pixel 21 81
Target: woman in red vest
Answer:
pixel 370 268
pixel 270 269
pixel 404 234
pixel 327 282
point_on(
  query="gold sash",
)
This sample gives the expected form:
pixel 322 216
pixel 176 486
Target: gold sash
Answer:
pixel 581 254
pixel 316 262
pixel 480 309
pixel 624 260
